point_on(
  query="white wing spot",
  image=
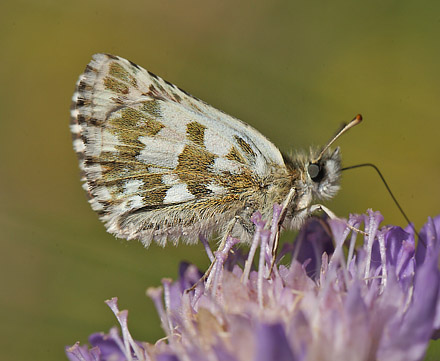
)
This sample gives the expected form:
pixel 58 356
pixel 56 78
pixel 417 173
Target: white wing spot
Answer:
pixel 214 143
pixel 109 141
pixel 178 193
pixel 96 206
pixel 93 171
pixel 75 96
pixel 177 135
pixel 74 113
pixel 226 165
pixel 155 170
pixel 217 189
pixel 79 145
pixel 160 152
pixel 94 141
pixel 260 165
pixel 136 201
pixel 170 179
pixel 102 194
pixel 132 186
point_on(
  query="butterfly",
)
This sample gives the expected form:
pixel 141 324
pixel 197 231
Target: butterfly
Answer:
pixel 159 164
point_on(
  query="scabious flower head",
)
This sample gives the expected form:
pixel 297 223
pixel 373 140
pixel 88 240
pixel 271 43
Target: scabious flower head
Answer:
pixel 334 296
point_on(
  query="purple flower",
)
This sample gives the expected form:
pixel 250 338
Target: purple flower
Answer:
pixel 335 294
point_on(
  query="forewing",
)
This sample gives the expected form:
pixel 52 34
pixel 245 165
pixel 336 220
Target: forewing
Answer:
pixel 145 146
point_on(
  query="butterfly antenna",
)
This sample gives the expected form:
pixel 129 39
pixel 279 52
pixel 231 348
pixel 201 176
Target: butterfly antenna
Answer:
pixel 356 120
pixel 390 193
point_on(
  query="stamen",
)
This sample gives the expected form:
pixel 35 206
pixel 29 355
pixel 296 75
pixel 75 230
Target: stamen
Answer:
pixel 264 235
pixel 374 219
pixel 220 256
pixel 383 259
pixel 121 316
pixel 166 282
pixel 207 248
pixel 155 293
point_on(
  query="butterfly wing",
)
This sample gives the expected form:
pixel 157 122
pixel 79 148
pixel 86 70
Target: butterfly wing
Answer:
pixel 157 162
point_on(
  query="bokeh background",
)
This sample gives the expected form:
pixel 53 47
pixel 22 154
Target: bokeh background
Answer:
pixel 295 70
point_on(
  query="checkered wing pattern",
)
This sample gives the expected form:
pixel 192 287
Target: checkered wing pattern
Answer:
pixel 159 164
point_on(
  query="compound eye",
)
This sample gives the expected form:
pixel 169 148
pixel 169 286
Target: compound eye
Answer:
pixel 315 172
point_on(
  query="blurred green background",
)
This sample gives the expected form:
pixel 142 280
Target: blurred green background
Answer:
pixel 293 69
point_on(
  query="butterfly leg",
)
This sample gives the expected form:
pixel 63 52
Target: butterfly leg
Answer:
pixel 331 215
pixel 282 216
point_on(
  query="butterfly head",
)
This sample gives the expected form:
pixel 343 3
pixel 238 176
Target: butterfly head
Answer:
pixel 324 168
pixel 322 175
